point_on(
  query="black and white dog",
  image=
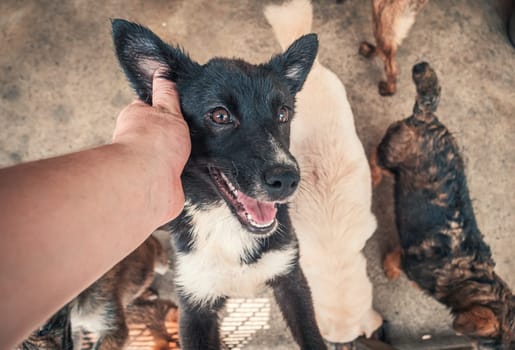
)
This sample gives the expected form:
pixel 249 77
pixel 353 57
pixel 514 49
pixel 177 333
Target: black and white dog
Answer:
pixel 234 235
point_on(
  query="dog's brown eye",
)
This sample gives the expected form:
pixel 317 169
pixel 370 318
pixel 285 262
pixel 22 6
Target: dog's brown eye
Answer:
pixel 220 116
pixel 284 115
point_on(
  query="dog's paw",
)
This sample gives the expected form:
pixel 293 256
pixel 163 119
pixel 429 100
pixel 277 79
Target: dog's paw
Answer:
pixel 377 176
pixel 392 265
pixel 386 89
pixel 367 50
pixel 392 273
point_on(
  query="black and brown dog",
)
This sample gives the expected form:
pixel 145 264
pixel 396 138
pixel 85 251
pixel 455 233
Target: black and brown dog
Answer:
pixel 442 249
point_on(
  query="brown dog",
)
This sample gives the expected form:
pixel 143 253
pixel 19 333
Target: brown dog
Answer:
pixel 100 309
pixel 441 247
pixel 392 22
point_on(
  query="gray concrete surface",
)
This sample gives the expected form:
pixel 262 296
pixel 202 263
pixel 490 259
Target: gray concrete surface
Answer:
pixel 61 89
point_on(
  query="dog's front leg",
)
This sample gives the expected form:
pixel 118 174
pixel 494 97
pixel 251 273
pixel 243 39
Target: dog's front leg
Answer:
pixel 294 299
pixel 198 327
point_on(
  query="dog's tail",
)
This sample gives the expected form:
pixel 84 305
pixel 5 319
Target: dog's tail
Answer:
pixel 428 91
pixel 290 20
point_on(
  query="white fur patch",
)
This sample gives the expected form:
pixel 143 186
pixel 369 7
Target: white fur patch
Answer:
pixel 213 267
pixel 92 321
pixel 403 24
pixel 160 268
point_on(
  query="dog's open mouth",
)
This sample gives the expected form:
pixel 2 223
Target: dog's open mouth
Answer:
pixel 256 216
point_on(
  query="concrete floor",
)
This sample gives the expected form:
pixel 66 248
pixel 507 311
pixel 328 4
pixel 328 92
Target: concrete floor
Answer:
pixel 61 89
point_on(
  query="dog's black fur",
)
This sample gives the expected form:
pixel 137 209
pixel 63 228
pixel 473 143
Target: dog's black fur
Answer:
pixel 238 115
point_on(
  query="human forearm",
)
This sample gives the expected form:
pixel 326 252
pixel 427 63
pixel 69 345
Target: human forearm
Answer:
pixel 61 220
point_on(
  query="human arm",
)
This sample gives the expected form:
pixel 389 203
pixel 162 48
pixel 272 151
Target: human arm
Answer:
pixel 65 221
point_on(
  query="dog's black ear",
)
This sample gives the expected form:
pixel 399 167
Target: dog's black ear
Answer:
pixel 141 52
pixel 296 62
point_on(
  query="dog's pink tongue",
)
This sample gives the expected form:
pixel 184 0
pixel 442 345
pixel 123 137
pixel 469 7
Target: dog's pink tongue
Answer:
pixel 262 213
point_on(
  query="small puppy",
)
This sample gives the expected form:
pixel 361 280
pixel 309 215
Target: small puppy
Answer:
pixel 331 211
pixel 392 21
pixel 234 235
pixel 441 247
pixel 100 308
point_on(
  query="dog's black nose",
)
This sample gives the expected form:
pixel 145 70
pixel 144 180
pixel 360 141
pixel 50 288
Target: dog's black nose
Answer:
pixel 281 182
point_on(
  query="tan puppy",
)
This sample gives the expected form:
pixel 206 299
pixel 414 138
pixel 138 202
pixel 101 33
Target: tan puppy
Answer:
pixel 331 212
pixel 392 21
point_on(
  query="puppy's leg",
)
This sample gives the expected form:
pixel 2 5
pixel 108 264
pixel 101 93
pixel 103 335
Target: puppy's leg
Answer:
pixel 198 326
pixel 113 340
pixel 389 87
pixel 376 171
pixel 161 344
pixel 116 332
pixel 477 321
pixel 77 337
pixel 392 263
pixel 294 299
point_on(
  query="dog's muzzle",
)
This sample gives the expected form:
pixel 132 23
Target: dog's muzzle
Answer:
pixel 281 182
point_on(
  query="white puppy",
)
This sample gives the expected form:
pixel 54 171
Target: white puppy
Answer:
pixel 331 212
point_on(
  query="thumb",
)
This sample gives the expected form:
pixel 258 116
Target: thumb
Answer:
pixel 164 93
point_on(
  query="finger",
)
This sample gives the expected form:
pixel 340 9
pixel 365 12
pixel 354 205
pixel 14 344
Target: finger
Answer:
pixel 164 93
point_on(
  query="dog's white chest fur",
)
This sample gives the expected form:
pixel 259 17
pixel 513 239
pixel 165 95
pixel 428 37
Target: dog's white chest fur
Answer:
pixel 92 321
pixel 213 268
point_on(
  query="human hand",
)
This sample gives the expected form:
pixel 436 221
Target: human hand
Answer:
pixel 158 134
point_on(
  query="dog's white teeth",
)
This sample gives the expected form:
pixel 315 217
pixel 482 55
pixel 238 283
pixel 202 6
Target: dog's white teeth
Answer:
pixel 255 224
pixel 229 184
